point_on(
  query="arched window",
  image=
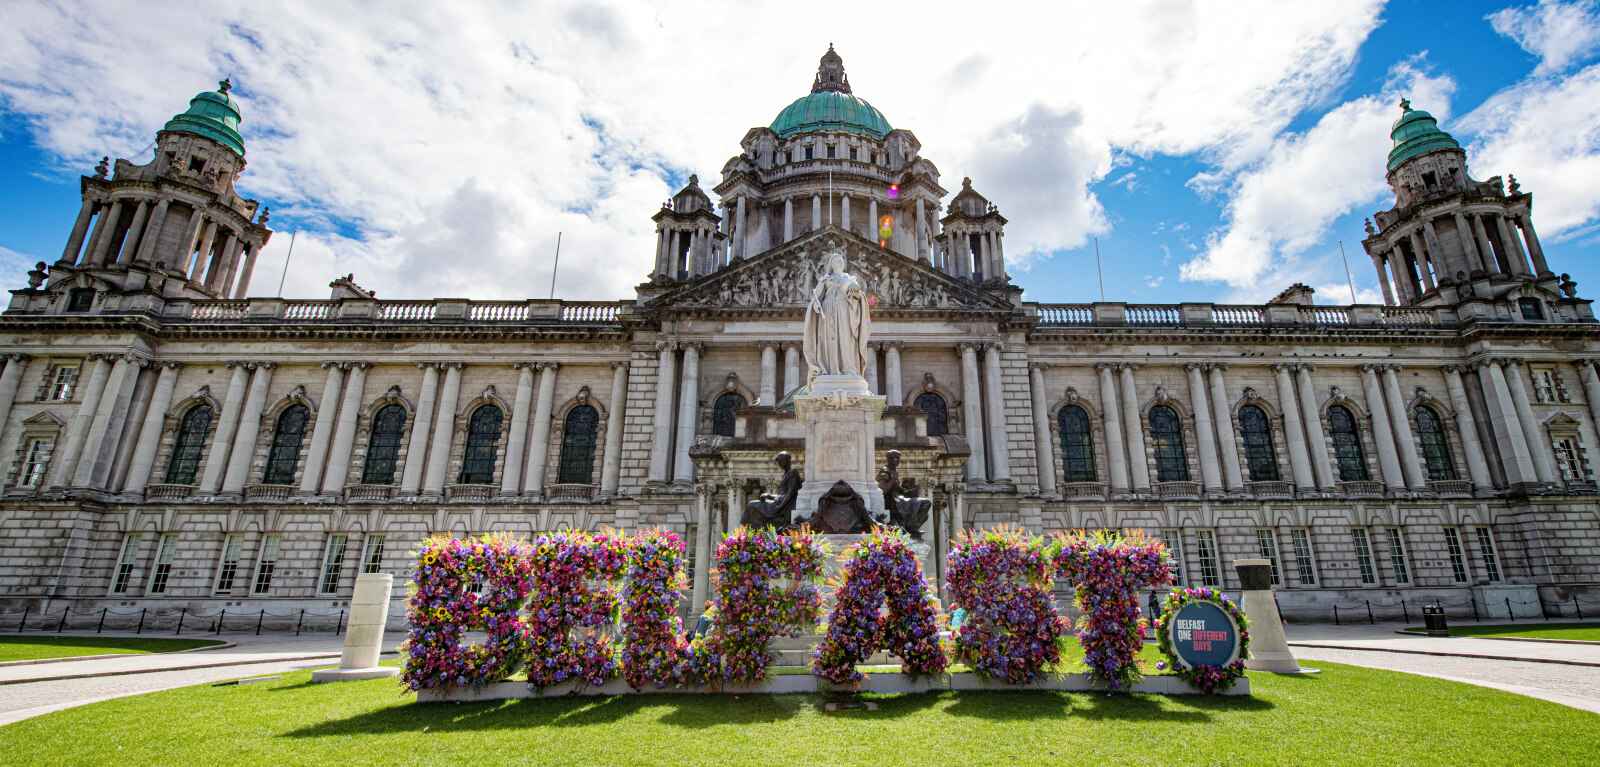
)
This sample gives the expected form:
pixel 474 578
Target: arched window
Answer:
pixel 483 438
pixel 1166 434
pixel 284 456
pixel 723 412
pixel 1347 444
pixel 383 448
pixel 1435 450
pixel 938 414
pixel 1077 449
pixel 1256 432
pixel 577 443
pixel 191 442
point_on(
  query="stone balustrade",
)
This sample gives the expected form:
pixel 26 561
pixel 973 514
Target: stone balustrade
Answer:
pixel 1116 314
pixel 468 493
pixel 267 493
pixel 572 493
pixel 541 312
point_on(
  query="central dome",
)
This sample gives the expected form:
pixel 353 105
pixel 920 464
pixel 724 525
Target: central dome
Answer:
pixel 1416 133
pixel 830 106
pixel 213 115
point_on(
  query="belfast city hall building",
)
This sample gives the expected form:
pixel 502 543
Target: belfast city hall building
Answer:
pixel 172 444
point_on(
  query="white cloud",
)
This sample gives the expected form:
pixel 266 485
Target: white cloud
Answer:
pixel 1560 34
pixel 398 139
pixel 1284 204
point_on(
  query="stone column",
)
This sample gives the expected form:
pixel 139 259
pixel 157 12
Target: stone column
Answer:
pixel 1513 246
pixel 66 460
pixel 1210 466
pixel 444 429
pixel 155 416
pixel 539 430
pixel 130 241
pixel 10 381
pixel 517 440
pixel 1402 275
pixel 344 435
pixel 1491 264
pixel 792 377
pixel 742 240
pixel 972 412
pixel 152 233
pixel 104 234
pixel 1316 442
pixel 208 236
pixel 1383 279
pixel 1111 422
pixel 1388 458
pixel 100 446
pixel 922 231
pixel 872 219
pixel 616 409
pixel 1226 446
pixel 999 450
pixel 1418 255
pixel 421 427
pixel 363 640
pixel 191 240
pixel 1430 238
pixel 227 426
pixel 816 212
pixel 244 441
pixel 1405 441
pixel 1467 426
pixel 1591 389
pixel 1544 460
pixel 844 211
pixel 892 387
pixel 1468 244
pixel 1133 424
pixel 1509 438
pixel 1044 454
pixel 1525 223
pixel 871 371
pixel 788 220
pixel 704 492
pixel 769 373
pixel 69 254
pixel 984 256
pixel 230 264
pixel 1293 432
pixel 688 413
pixel 661 423
pixel 322 428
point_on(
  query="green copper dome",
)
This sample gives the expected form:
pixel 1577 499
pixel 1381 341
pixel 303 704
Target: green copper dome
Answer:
pixel 830 106
pixel 213 115
pixel 1416 133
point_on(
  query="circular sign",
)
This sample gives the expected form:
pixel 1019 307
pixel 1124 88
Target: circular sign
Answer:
pixel 1203 634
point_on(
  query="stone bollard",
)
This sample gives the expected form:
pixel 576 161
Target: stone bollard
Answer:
pixel 1269 648
pixel 363 638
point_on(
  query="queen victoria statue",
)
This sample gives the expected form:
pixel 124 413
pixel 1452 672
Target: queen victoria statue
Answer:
pixel 837 324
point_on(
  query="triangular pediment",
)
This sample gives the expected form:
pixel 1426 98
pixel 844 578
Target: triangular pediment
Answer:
pixel 786 275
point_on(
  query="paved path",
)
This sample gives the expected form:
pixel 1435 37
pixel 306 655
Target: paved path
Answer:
pixel 1383 637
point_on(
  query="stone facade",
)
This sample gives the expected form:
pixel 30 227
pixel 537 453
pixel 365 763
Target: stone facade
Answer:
pixel 172 446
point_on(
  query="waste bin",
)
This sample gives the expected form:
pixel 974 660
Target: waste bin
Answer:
pixel 1433 618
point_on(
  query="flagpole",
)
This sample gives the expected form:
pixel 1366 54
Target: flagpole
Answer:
pixel 286 262
pixel 1347 277
pixel 1097 269
pixel 555 266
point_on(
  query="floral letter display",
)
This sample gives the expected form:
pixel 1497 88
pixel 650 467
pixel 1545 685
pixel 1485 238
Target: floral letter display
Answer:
pixel 1107 571
pixel 752 606
pixel 563 601
pixel 1209 678
pixel 1001 577
pixel 444 604
pixel 653 650
pixel 882 566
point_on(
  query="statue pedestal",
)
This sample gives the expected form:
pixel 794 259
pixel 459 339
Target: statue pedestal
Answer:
pixel 839 414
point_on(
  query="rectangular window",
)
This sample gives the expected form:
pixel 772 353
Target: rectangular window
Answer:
pixel 1531 308
pixel 1397 557
pixel 853 153
pixel 788 156
pixel 1305 565
pixel 1573 460
pixel 809 152
pixel 1358 536
pixel 1458 556
pixel 1267 541
pixel 229 569
pixel 38 461
pixel 267 563
pixel 333 562
pixel 690 562
pixel 1173 540
pixel 1491 563
pixel 164 554
pixel 1544 385
pixel 125 560
pixel 830 151
pixel 1206 547
pixel 372 558
pixel 66 379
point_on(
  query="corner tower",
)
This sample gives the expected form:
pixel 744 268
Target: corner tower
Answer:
pixel 1451 239
pixel 175 224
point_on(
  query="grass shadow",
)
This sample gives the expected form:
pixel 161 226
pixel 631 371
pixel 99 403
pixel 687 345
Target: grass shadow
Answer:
pixel 890 705
pixel 1010 706
pixel 486 715
pixel 697 712
pixel 1164 708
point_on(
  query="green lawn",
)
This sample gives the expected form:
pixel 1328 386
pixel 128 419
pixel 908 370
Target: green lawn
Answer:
pixel 1588 632
pixel 38 647
pixel 1345 715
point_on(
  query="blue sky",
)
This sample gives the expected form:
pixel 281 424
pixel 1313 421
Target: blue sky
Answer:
pixel 1219 151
